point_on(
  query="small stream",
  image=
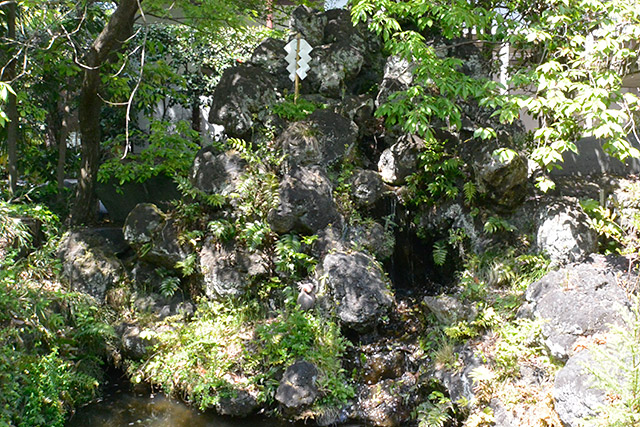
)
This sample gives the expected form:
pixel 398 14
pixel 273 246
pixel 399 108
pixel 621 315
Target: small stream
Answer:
pixel 121 406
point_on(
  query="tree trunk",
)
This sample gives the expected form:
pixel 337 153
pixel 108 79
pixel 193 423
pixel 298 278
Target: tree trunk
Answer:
pixel 65 114
pixel 12 110
pixel 118 29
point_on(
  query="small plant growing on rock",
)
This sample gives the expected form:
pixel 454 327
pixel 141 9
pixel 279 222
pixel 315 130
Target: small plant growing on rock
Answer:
pixel 617 372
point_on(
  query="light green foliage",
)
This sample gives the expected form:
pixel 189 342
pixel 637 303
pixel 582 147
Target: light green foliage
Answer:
pixel 439 177
pixel 5 89
pixel 496 224
pixel 616 368
pixel 52 342
pixel 603 221
pixel 573 54
pixel 290 257
pixel 196 357
pixel 294 112
pixel 171 150
pixel 437 411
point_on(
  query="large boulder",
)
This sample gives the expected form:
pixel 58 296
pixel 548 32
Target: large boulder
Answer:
pixel 154 236
pixel 579 301
pixel 306 202
pixel 89 264
pixel 240 98
pixel 367 188
pixel 216 173
pixel 502 176
pixel 564 233
pixel 400 160
pixel 309 23
pixel 227 269
pixel 298 387
pixel 358 289
pixel 119 200
pixel 269 55
pixel 333 66
pixel 322 139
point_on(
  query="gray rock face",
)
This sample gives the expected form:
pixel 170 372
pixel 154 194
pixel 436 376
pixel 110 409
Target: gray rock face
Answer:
pixel 240 404
pixel 564 233
pixel 578 301
pixel 459 382
pixel 298 386
pixel 227 270
pixel 240 97
pixel 502 175
pixel 216 173
pixel 309 23
pixel 306 202
pixel 397 76
pixel 88 263
pixel 322 139
pixel 143 223
pixel 400 160
pixel 385 403
pixel 269 55
pixel 333 65
pixel 370 237
pixel 575 397
pixel 153 236
pixel 359 290
pixel 449 310
pixel 367 188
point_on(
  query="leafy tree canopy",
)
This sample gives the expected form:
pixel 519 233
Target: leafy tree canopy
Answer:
pixel 569 59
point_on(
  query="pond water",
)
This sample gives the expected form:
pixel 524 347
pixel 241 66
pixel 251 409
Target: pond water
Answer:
pixel 120 406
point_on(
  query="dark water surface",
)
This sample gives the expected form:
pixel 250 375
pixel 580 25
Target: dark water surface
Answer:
pixel 122 407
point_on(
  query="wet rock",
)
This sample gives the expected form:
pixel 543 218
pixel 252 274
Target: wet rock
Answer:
pixel 368 236
pixel 564 233
pixel 322 139
pixel 400 160
pixel 306 202
pixel 575 397
pixel 367 188
pixel 459 382
pixel 227 269
pixel 382 363
pixel 239 99
pixel 358 288
pixel 449 310
pixel 89 264
pixel 309 23
pixel 154 236
pixel 239 404
pixel 134 345
pixel 387 403
pixel 298 386
pixel 216 173
pixel 502 176
pixel 578 301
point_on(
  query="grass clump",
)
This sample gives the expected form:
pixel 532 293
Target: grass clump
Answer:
pixel 229 347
